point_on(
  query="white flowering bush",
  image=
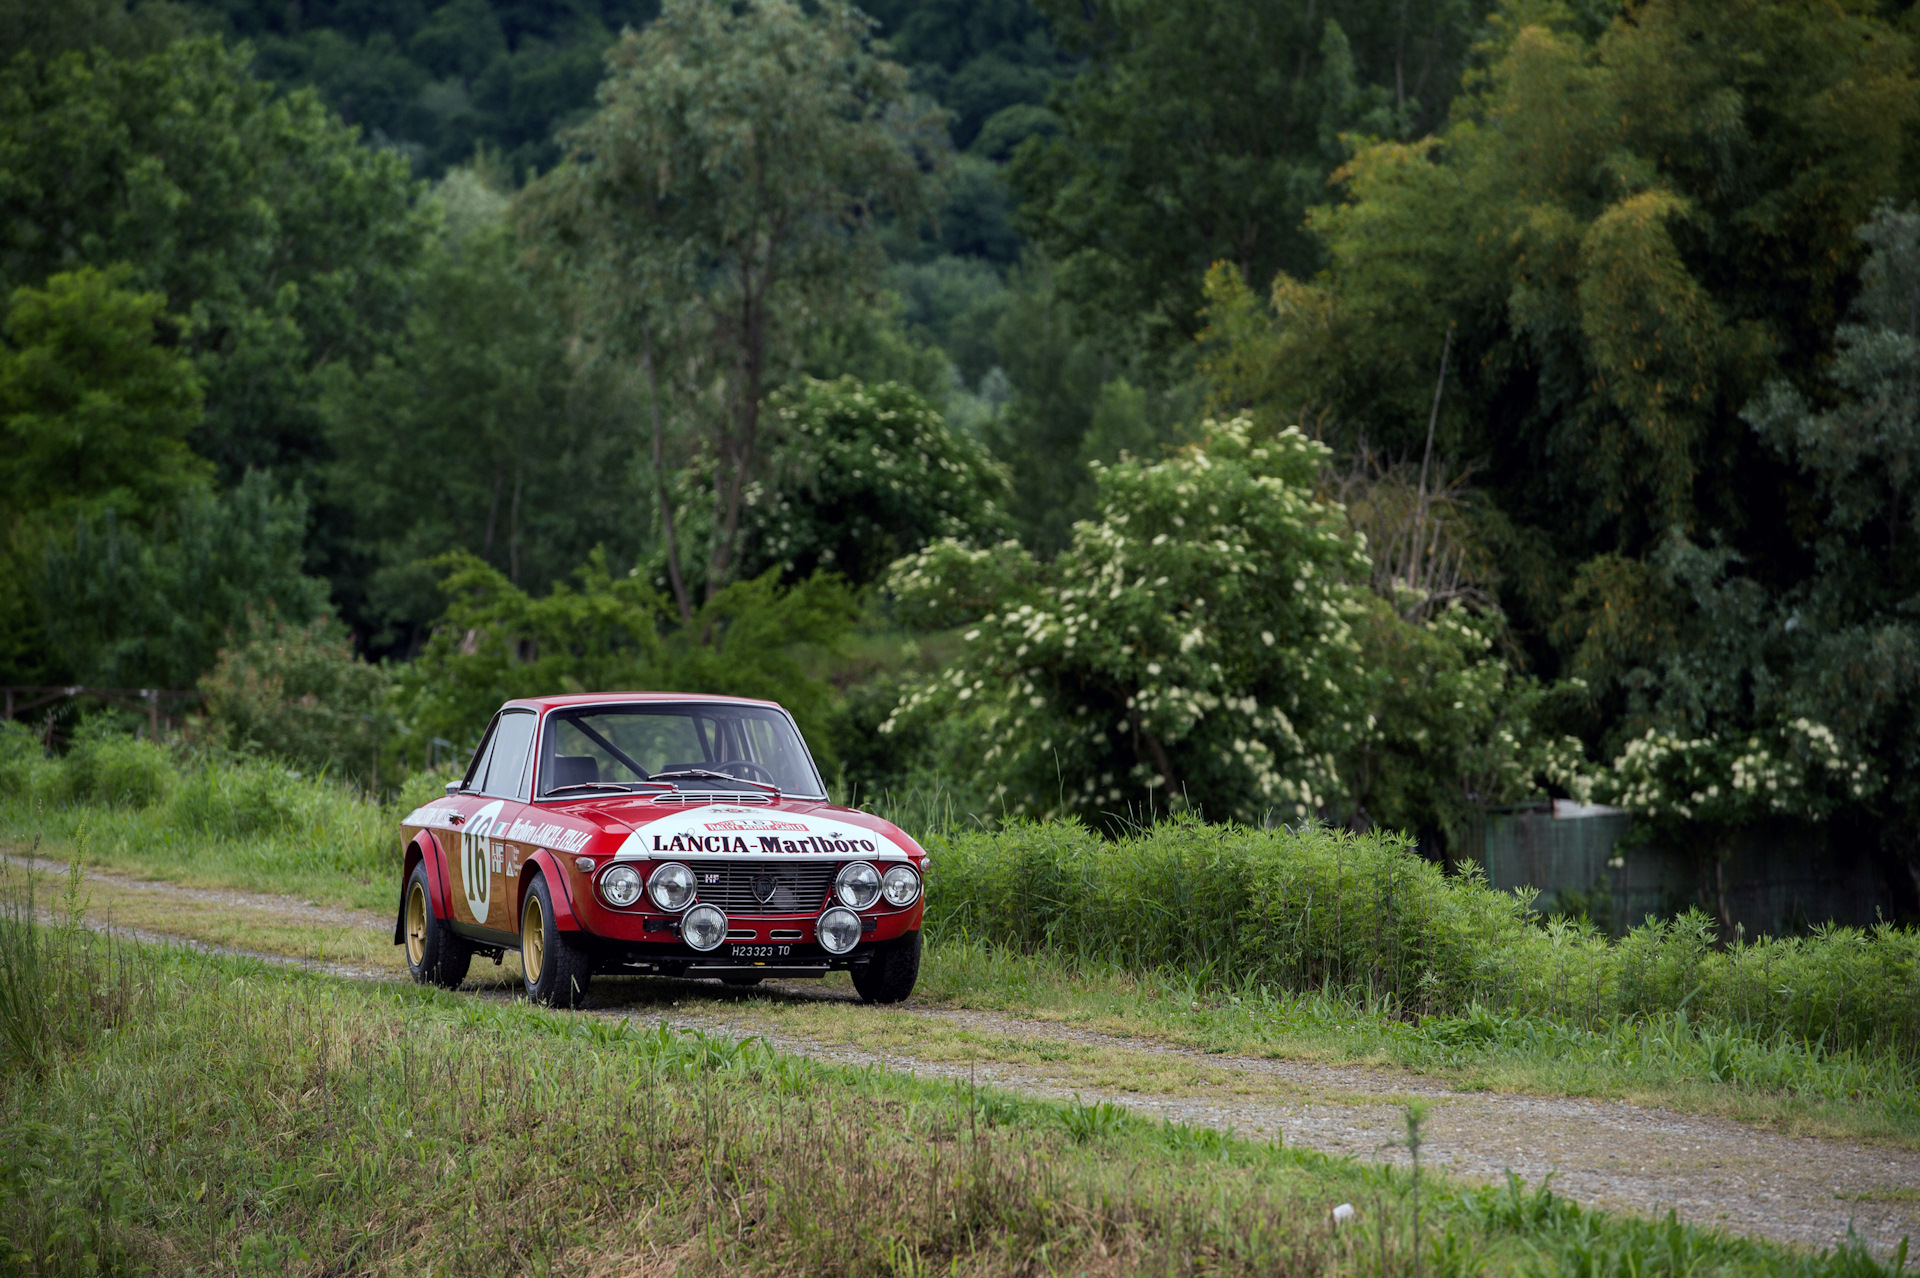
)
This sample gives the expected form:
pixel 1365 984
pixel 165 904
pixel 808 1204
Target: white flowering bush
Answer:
pixel 1208 642
pixel 1799 769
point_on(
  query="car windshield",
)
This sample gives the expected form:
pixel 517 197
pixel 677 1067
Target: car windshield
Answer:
pixel 693 745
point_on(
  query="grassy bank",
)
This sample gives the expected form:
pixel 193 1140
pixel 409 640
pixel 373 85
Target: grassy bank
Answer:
pixel 171 1113
pixel 212 821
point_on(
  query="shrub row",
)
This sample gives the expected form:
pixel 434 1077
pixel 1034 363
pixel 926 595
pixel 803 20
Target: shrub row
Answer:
pixel 1366 916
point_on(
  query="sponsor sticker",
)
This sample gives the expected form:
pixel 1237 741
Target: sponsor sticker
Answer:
pixel 549 834
pixel 479 859
pixel 742 832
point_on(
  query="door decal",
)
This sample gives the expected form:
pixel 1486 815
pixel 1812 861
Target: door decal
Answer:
pixel 476 872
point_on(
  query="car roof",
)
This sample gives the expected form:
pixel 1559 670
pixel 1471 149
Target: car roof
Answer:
pixel 616 698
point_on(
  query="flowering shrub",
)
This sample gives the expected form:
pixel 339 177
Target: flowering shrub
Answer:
pixel 1209 642
pixel 1799 769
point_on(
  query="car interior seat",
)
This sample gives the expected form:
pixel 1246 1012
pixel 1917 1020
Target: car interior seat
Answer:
pixel 574 769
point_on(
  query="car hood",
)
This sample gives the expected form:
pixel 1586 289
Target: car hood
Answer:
pixel 781 830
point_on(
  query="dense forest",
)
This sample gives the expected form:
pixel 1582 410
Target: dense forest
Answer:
pixel 1275 409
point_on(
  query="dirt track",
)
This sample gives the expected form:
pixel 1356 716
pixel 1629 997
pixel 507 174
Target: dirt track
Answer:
pixel 1713 1172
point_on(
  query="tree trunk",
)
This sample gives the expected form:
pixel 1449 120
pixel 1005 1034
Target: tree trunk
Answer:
pixel 493 509
pixel 738 445
pixel 660 488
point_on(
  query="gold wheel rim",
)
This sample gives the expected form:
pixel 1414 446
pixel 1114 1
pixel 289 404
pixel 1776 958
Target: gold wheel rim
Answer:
pixel 417 924
pixel 533 940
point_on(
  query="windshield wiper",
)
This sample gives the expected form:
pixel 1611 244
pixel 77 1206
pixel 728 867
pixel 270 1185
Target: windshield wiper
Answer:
pixel 624 787
pixel 718 776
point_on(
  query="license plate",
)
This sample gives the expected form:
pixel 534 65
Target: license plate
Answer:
pixel 758 951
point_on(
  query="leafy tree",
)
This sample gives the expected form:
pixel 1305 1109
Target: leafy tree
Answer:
pixel 435 81
pixel 1209 641
pixel 860 476
pixel 46 30
pixel 1626 236
pixel 1204 129
pixel 477 433
pixel 94 410
pixel 1747 698
pixel 280 243
pixel 977 59
pixel 605 633
pixel 120 606
pixel 298 693
pixel 1071 403
pixel 722 200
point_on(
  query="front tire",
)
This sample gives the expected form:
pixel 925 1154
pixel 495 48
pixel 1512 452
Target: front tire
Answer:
pixel 888 977
pixel 435 956
pixel 556 967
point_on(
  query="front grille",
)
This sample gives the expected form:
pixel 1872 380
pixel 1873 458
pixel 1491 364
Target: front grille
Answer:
pixel 764 887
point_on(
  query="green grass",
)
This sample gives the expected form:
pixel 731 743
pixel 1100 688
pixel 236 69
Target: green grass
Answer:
pixel 1161 936
pixel 233 823
pixel 170 1113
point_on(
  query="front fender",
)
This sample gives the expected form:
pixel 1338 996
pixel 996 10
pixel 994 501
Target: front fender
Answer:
pixel 559 884
pixel 423 848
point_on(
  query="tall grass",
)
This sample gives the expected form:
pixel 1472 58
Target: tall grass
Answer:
pixel 241 820
pixel 1364 917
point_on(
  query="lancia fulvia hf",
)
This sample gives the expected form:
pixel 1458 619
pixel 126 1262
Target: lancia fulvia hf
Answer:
pixel 655 833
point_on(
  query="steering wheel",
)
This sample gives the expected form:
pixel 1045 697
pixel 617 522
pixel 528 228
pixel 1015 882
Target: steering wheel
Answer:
pixel 746 770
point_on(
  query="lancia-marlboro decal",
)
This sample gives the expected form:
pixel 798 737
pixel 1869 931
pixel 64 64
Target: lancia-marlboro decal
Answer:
pixel 742 832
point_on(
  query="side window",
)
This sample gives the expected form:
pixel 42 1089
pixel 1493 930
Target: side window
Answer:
pixel 507 764
pixel 477 767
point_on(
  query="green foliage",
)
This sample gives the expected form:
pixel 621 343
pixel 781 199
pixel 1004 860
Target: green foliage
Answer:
pixel 1070 403
pixel 1204 130
pixel 110 768
pixel 1317 908
pixel 476 433
pixel 94 410
pixel 609 633
pixel 24 766
pixel 862 475
pixel 1631 231
pixel 722 201
pixel 120 607
pixel 1156 666
pixel 280 243
pixel 297 693
pixel 435 81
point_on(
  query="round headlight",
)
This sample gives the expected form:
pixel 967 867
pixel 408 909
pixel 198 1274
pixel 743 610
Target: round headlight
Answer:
pixel 703 927
pixel 857 886
pixel 620 885
pixel 838 930
pixel 900 885
pixel 671 886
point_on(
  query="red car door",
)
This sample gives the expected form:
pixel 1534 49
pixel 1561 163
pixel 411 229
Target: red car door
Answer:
pixel 479 877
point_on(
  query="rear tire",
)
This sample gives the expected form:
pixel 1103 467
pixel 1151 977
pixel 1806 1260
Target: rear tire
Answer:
pixel 557 968
pixel 889 975
pixel 435 956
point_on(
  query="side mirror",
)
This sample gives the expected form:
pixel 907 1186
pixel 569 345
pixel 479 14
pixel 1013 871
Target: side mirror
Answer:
pixel 454 787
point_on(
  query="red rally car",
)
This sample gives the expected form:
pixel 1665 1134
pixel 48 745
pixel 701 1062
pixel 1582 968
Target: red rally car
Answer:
pixel 655 833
